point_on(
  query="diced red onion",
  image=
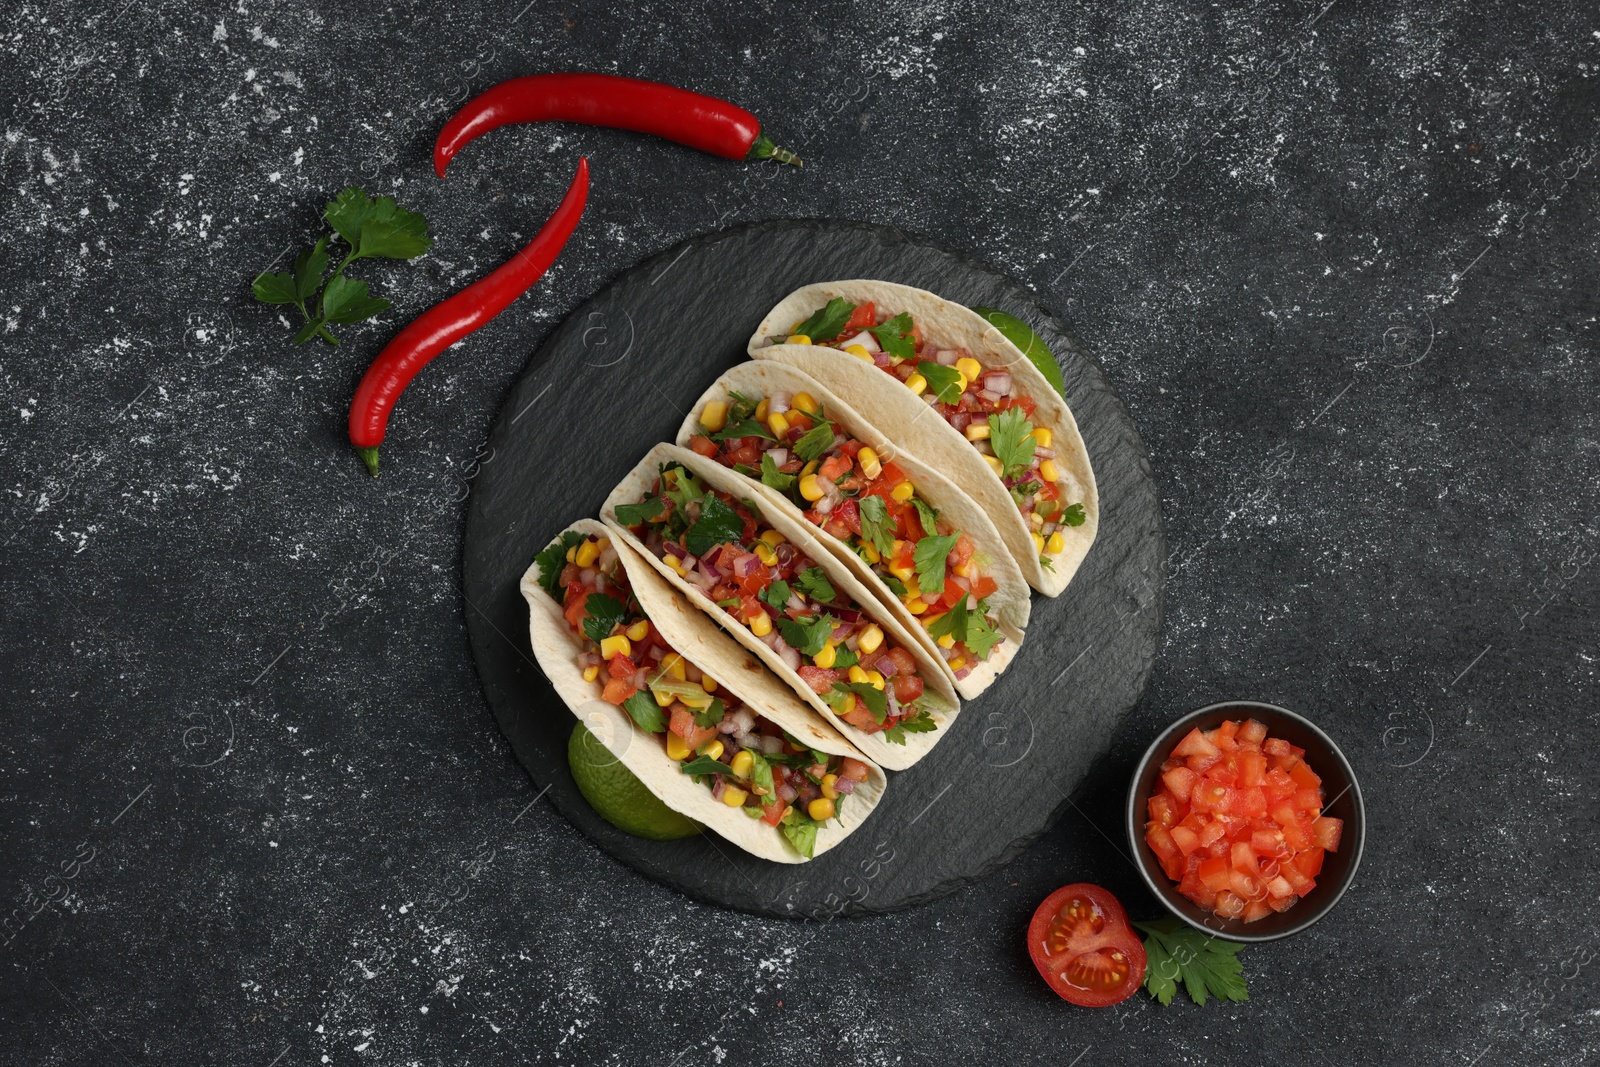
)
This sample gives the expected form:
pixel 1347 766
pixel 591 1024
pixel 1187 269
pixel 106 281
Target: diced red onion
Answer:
pixel 640 678
pixel 657 653
pixel 771 744
pixel 786 554
pixel 607 558
pixel 946 357
pixel 588 659
pixel 1043 453
pixel 865 339
pixel 777 403
pixel 710 558
pixel 744 720
pixel 893 703
pixel 961 421
pixel 844 785
pixel 780 456
pixel 787 792
pixel 962 673
pixel 990 395
pixel 997 381
pixel 825 505
pixel 845 614
pixel 672 549
pixel 600 583
pixel 700 579
pixel 587 575
pixel 745 566
pixel 886 666
pixel 719 786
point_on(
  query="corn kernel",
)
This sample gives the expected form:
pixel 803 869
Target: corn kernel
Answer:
pixel 708 683
pixel 825 655
pixel 957 663
pixel 860 352
pixel 966 570
pixel 1042 436
pixel 917 606
pixel 903 571
pixel 672 561
pixel 978 431
pixel 591 673
pixel 1036 519
pixel 765 554
pixel 947 641
pixel 1056 545
pixel 673 665
pixel 903 492
pixel 778 425
pixel 812 489
pixel 761 410
pixel 798 339
pixel 638 631
pixel 917 384
pixel 734 797
pixel 1047 470
pixel 969 368
pixel 820 809
pixel 761 625
pixel 663 699
pixel 714 416
pixel 572 554
pixel 804 402
pixel 857 674
pixel 714 750
pixel 742 762
pixel 871 466
pixel 1038 543
pixel 995 465
pixel 869 552
pixel 962 383
pixel 586 554
pixel 603 544
pixel 829 789
pixel 809 468
pixel 871 639
pixel 931 619
pixel 677 748
pixel 773 538
pixel 876 679
pixel 616 646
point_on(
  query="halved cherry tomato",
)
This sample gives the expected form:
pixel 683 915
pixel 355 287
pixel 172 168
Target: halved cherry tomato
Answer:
pixel 1084 947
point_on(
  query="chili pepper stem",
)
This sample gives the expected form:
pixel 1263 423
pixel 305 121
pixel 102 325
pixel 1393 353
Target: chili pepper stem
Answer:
pixel 369 456
pixel 763 148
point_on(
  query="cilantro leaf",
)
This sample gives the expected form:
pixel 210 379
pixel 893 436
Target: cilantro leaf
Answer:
pixel 1072 516
pixel 870 695
pixel 808 635
pixel 815 441
pixel 814 584
pixel 777 593
pixel 1011 437
pixel 643 511
pixel 920 723
pixel 718 524
pixel 773 477
pixel 929 556
pixel 876 525
pixel 745 428
pixel 646 713
pixel 892 337
pixel 927 514
pixel 605 611
pixel 377 226
pixel 827 322
pixel 1206 964
pixel 800 831
pixel 711 715
pixel 705 765
pixel 554 558
pixel 943 382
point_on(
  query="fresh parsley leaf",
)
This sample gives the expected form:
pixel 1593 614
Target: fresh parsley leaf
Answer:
pixel 761 776
pixel 927 514
pixel 808 635
pixel 643 511
pixel 943 382
pixel 605 612
pixel 1011 437
pixel 920 723
pixel 346 300
pixel 896 586
pixel 309 268
pixel 711 715
pixel 815 441
pixel 877 703
pixel 929 556
pixel 377 226
pixel 772 476
pixel 275 288
pixel 1072 516
pixel 892 337
pixel 1206 964
pixel 981 636
pixel 826 323
pixel 554 559
pixel 746 428
pixel 740 407
pixel 718 524
pixel 777 593
pixel 844 658
pixel 800 831
pixel 814 584
pixel 876 525
pixel 705 765
pixel 646 713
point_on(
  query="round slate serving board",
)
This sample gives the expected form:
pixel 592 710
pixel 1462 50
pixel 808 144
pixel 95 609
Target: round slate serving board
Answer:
pixel 618 376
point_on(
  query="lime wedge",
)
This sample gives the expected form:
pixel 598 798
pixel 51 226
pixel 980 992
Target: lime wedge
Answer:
pixel 1021 334
pixel 617 794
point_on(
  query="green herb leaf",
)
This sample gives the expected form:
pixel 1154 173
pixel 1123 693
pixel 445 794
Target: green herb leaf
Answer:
pixel 377 226
pixel 896 586
pixel 1072 516
pixel 777 593
pixel 920 723
pixel 761 775
pixel 1011 437
pixel 275 288
pixel 815 585
pixel 815 441
pixel 740 407
pixel 929 556
pixel 969 628
pixel 345 300
pixel 844 658
pixel 807 635
pixel 826 323
pixel 772 476
pixel 874 698
pixel 605 612
pixel 643 511
pixel 705 765
pixel 927 514
pixel 309 268
pixel 688 488
pixel 943 382
pixel 646 713
pixel 746 428
pixel 710 715
pixel 718 524
pixel 800 831
pixel 554 559
pixel 892 337
pixel 876 525
pixel 1206 964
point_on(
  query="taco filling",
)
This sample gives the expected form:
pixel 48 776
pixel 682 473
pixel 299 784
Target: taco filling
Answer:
pixel 842 486
pixel 723 546
pixel 745 760
pixel 984 404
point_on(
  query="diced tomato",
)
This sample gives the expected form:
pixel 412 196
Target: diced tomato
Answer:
pixel 1228 730
pixel 1195 744
pixel 1027 404
pixel 1215 873
pixel 1307 800
pixel 1160 807
pixel 621 666
pixel 1309 862
pixel 1202 764
pixel 853 769
pixel 704 445
pixel 1297 834
pixel 682 721
pixel 863 317
pixel 1166 850
pixel 773 815
pixel 1275 746
pixel 1326 832
pixel 1256 909
pixel 577 607
pixel 1247 803
pixel 849 513
pixel 1245 885
pixel 1252 768
pixel 1243 858
pixel 1229 904
pixel 1210 796
pixel 1179 781
pixel 748 455
pixel 1277 784
pixel 1186 839
pixel 700 736
pixel 907 687
pixel 1298 880
pixel 1269 843
pixel 1304 776
pixel 1253 732
pixel 1213 832
pixel 984 587
pixel 962 551
pixel 833 467
pixel 818 678
pixel 861 718
pixel 617 691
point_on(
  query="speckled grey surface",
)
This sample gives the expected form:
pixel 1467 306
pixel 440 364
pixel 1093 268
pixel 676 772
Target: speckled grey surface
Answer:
pixel 1340 263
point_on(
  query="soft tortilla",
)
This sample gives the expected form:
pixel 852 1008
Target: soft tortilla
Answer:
pixel 907 419
pixel 556 648
pixel 1010 603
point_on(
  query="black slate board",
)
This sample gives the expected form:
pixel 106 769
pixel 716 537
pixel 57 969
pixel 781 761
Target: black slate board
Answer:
pixel 649 344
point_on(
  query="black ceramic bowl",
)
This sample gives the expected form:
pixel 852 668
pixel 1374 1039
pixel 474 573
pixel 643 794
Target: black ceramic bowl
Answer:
pixel 1339 788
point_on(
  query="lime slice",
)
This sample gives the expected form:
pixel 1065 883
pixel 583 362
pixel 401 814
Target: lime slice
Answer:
pixel 617 795
pixel 1021 334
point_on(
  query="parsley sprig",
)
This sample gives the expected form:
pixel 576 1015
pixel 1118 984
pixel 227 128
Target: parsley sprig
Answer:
pixel 1205 964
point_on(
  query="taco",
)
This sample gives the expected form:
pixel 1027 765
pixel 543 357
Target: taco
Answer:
pixel 704 726
pixel 766 579
pixel 905 531
pixel 946 385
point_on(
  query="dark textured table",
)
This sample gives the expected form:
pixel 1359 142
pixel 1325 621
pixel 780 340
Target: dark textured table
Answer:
pixel 1341 265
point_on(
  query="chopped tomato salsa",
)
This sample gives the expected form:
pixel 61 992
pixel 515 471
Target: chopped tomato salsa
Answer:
pixel 845 488
pixel 1236 820
pixel 718 544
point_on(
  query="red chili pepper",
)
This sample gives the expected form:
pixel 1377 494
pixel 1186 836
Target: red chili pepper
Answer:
pixel 453 318
pixel 702 122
